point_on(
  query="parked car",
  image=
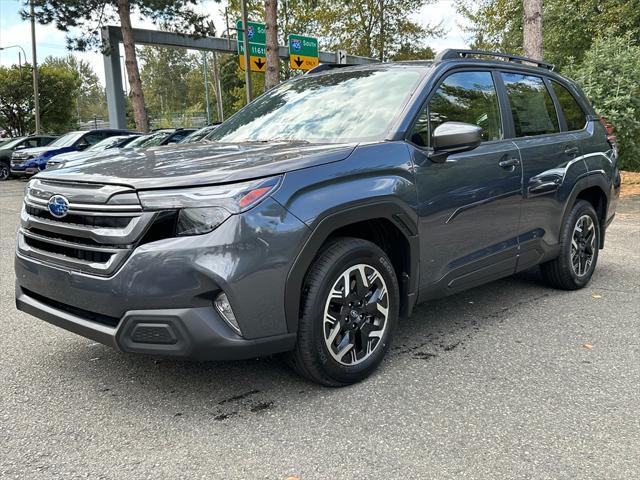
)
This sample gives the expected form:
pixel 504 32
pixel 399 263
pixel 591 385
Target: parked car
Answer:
pixel 30 161
pixel 319 214
pixel 167 136
pixel 106 145
pixel 11 145
pixel 199 135
pixel 157 138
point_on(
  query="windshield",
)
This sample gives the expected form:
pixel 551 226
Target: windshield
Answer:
pixel 150 140
pixel 105 144
pixel 67 139
pixel 343 106
pixel 10 143
pixel 198 135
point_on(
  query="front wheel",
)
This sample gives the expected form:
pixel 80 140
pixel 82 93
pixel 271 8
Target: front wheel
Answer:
pixel 579 244
pixel 5 171
pixel 349 313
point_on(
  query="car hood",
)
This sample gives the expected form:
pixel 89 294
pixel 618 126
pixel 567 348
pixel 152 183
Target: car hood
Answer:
pixel 36 151
pixel 198 164
pixel 65 157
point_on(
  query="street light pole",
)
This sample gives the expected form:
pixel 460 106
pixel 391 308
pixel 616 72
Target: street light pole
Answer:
pixel 36 96
pixel 23 52
pixel 247 58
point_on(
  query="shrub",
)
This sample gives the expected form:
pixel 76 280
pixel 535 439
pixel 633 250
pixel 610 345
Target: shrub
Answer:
pixel 609 74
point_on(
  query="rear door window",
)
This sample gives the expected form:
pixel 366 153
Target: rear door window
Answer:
pixel 532 108
pixel 468 97
pixel 573 113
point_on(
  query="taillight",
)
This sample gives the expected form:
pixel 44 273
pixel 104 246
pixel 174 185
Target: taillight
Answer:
pixel 611 138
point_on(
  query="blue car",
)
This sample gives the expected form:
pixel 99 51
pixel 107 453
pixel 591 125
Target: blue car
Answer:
pixel 30 161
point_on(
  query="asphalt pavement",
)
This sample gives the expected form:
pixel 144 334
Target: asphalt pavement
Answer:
pixel 510 380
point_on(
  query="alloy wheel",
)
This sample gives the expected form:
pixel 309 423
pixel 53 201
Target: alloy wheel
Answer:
pixel 355 314
pixel 583 245
pixel 4 171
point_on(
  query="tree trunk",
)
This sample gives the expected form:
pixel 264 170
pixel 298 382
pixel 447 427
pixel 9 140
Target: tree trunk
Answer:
pixel 382 33
pixel 532 29
pixel 271 78
pixel 131 64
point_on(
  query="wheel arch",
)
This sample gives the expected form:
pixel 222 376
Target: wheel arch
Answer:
pixel 592 188
pixel 380 222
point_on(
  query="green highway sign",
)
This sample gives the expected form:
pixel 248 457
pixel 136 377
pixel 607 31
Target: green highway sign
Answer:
pixel 257 32
pixel 303 52
pixel 257 35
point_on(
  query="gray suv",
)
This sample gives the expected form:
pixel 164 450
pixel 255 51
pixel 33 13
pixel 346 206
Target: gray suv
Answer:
pixel 317 216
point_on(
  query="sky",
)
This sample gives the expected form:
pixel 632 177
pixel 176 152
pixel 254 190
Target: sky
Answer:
pixel 50 41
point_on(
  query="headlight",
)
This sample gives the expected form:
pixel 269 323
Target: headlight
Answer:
pixel 202 209
pixel 195 221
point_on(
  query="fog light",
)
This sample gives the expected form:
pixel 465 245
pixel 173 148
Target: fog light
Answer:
pixel 224 309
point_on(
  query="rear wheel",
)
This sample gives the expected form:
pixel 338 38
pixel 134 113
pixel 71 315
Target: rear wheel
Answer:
pixel 579 244
pixel 349 313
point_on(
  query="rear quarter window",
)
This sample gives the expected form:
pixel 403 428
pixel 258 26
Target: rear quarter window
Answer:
pixel 573 113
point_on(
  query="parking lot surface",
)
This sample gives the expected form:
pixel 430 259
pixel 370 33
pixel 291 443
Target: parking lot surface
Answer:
pixel 509 380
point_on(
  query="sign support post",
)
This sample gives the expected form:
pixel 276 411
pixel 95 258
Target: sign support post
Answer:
pixel 245 38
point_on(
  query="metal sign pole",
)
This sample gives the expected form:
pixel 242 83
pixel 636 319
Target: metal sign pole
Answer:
pixel 36 94
pixel 206 85
pixel 247 60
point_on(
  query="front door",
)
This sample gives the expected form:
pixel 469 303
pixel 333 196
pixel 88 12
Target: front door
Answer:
pixel 469 206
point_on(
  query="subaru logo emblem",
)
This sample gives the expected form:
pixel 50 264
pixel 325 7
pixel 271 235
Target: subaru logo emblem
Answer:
pixel 58 206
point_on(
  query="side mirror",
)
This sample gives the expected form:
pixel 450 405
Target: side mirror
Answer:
pixel 21 147
pixel 82 146
pixel 454 137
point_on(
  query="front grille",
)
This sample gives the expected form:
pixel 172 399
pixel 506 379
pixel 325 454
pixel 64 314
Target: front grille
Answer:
pixel 102 226
pixel 78 219
pixel 78 253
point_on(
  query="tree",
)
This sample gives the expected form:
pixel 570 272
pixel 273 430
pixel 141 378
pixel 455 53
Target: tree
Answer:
pixel 570 26
pixel 58 84
pixel 373 28
pixel 532 28
pixel 273 59
pixel 164 73
pixel 609 74
pixel 90 15
pixel 91 100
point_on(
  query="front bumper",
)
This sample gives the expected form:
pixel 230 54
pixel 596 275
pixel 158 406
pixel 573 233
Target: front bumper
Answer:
pixel 196 333
pixel 171 283
pixel 21 170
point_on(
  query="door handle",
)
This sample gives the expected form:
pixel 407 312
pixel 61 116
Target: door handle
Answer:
pixel 571 151
pixel 512 162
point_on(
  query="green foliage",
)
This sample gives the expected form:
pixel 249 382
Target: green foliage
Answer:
pixel 86 17
pixel 609 74
pixel 57 85
pixel 164 78
pixel 569 26
pixel 91 101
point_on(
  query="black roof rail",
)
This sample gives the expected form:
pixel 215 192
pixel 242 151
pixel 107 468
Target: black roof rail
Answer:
pixel 450 53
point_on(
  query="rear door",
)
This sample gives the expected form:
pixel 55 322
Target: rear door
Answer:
pixel 548 152
pixel 469 205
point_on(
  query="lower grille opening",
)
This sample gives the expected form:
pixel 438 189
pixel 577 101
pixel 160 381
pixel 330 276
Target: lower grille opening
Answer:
pixel 86 255
pixel 78 312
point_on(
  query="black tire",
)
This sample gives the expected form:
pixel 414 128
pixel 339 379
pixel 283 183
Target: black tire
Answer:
pixel 5 171
pixel 560 272
pixel 312 357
